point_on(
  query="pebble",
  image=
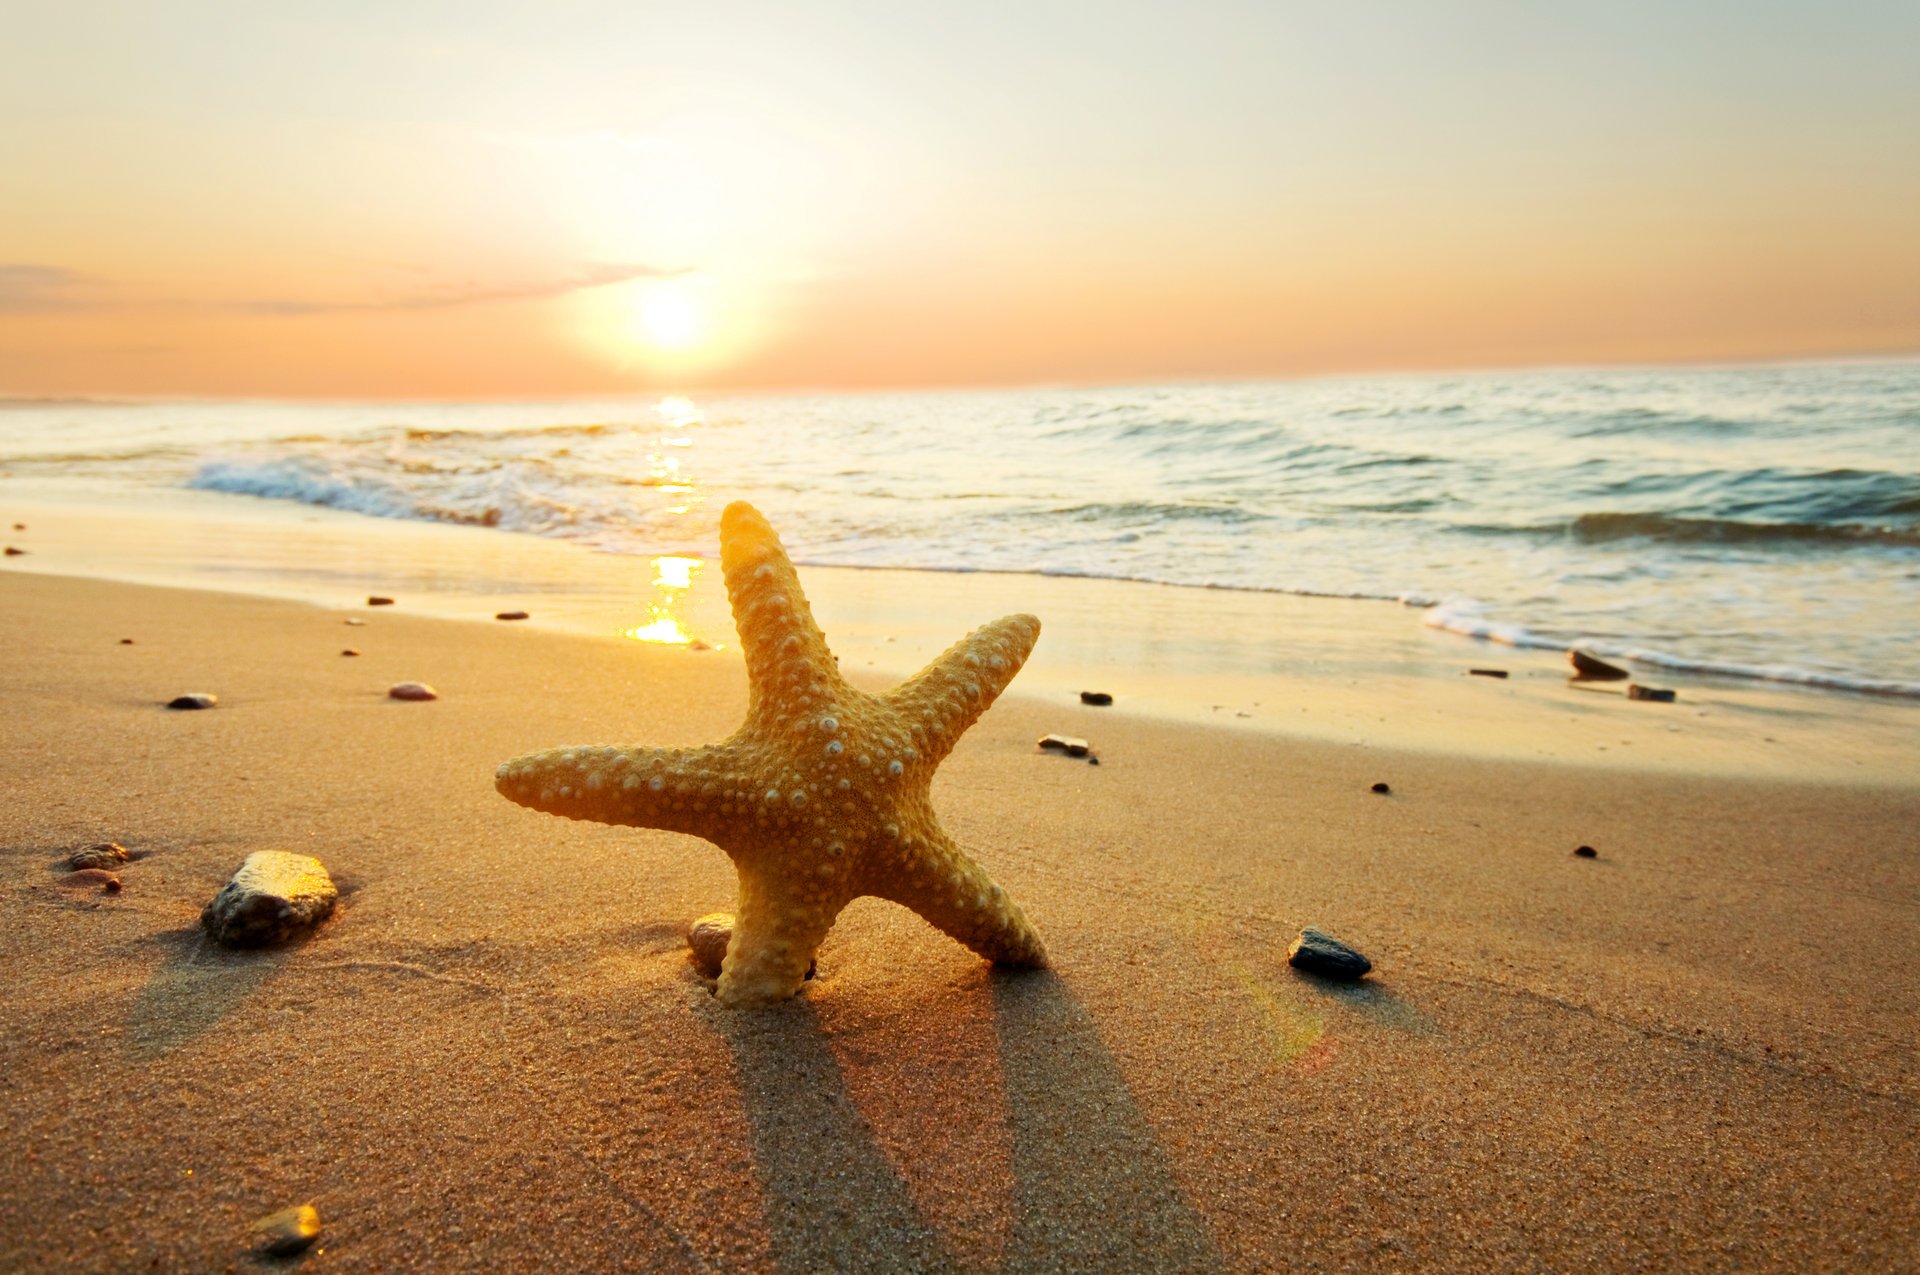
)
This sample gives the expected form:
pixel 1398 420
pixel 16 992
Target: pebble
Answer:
pixel 14 551
pixel 1068 744
pixel 356 622
pixel 195 699
pixel 510 615
pixel 1657 696
pixel 377 601
pixel 103 854
pixel 699 644
pixel 1587 852
pixel 289 1231
pixel 1591 668
pixel 272 897
pixel 413 691
pixel 1097 698
pixel 126 641
pixel 347 650
pixel 1382 789
pixel 19 526
pixel 93 876
pixel 707 939
pixel 1322 954
pixel 1488 672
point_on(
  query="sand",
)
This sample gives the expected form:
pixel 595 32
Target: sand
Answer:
pixel 1696 1051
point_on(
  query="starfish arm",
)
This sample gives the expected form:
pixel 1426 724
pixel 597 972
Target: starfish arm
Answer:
pixel 959 898
pixel 949 695
pixel 779 922
pixel 692 790
pixel 789 667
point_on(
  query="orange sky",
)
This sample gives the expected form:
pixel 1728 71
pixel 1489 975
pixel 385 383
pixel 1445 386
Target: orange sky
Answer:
pixel 445 201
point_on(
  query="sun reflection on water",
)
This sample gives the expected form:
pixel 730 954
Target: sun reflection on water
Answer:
pixel 673 577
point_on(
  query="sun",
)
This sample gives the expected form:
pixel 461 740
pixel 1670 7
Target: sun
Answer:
pixel 670 318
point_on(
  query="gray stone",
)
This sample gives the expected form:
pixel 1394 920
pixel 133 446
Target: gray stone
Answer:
pixel 273 897
pixel 1653 694
pixel 194 699
pixel 1322 954
pixel 105 854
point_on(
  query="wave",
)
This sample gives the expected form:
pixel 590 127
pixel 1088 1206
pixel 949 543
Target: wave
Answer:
pixel 1468 618
pixel 1674 529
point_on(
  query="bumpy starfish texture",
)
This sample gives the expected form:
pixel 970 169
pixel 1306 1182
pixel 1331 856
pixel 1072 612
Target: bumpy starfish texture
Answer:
pixel 822 794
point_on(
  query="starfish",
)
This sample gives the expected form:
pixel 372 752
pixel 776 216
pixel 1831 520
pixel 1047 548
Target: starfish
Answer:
pixel 822 795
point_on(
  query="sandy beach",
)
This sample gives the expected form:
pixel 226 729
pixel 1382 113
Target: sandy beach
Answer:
pixel 1694 1051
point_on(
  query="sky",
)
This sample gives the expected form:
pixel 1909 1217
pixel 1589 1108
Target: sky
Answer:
pixel 471 200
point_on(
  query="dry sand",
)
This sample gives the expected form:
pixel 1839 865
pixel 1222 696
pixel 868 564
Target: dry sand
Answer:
pixel 1693 1052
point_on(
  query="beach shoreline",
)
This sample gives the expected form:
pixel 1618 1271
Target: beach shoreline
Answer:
pixel 496 1054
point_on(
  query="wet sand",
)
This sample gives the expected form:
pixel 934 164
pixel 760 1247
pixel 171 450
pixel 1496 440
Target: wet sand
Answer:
pixel 1695 1051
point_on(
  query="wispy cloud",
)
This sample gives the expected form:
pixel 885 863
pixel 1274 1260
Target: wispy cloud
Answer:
pixel 463 294
pixel 26 288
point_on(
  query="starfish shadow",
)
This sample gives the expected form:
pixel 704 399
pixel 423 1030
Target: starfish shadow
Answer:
pixel 833 1200
pixel 1093 1186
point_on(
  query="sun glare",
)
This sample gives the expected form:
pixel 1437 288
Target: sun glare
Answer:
pixel 670 318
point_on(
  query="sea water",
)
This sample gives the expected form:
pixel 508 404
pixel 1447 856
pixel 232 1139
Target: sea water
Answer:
pixel 1757 521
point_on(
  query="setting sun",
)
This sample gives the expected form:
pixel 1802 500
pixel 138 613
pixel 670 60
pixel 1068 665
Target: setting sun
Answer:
pixel 669 318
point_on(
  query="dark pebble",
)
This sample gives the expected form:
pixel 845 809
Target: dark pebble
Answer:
pixel 349 651
pixel 1099 698
pixel 1068 744
pixel 1653 694
pixel 1587 852
pixel 13 551
pixel 1591 668
pixel 1322 954
pixel 377 601
pixel 1382 789
pixel 198 699
pixel 1093 761
pixel 412 691
pixel 19 526
pixel 104 854
pixel 510 615
pixel 126 641
pixel 1488 672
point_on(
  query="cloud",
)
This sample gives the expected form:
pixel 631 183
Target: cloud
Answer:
pixel 446 298
pixel 25 288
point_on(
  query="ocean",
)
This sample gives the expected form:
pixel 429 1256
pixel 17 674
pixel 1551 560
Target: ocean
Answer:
pixel 1755 521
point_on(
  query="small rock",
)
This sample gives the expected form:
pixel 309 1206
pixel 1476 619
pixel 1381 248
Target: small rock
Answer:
pixel 1093 761
pixel 1068 744
pixel 195 699
pixel 1099 699
pixel 1488 672
pixel 1382 789
pixel 353 620
pixel 510 615
pixel 700 644
pixel 19 526
pixel 707 940
pixel 347 650
pixel 126 641
pixel 1322 954
pixel 104 854
pixel 14 551
pixel 289 1231
pixel 377 601
pixel 413 691
pixel 1591 668
pixel 1587 852
pixel 93 876
pixel 1657 696
pixel 272 897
